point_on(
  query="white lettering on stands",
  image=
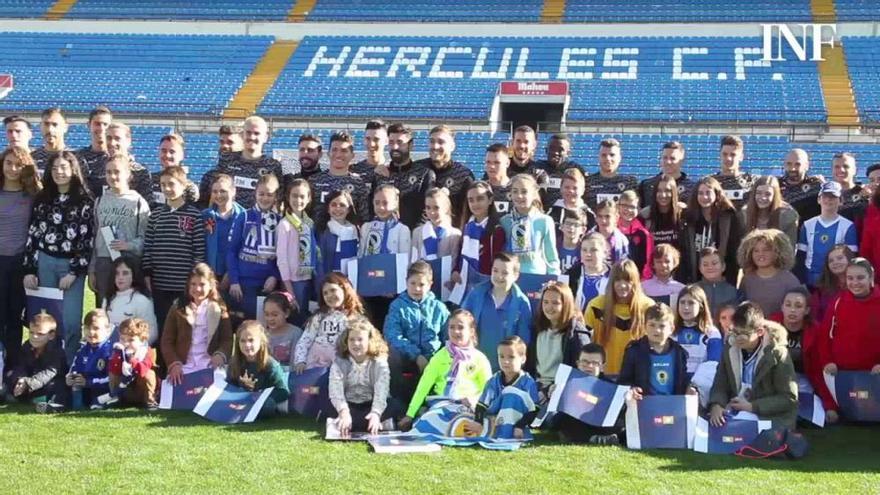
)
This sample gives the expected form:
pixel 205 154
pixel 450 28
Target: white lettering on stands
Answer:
pixel 441 56
pixel 501 73
pixel 800 50
pixel 521 68
pixel 320 59
pixel 740 63
pixel 567 62
pixel 360 58
pixel 611 62
pixel 677 59
pixel 409 64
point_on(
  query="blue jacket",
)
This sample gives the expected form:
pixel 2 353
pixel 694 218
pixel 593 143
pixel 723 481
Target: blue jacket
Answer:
pixel 215 256
pixel 93 362
pixel 245 264
pixel 636 368
pixel 517 318
pixel 414 328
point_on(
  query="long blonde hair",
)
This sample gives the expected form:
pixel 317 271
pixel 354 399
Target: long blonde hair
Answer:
pixel 624 270
pixel 238 361
pixel 529 181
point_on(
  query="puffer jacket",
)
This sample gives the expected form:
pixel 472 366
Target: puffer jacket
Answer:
pixel 414 328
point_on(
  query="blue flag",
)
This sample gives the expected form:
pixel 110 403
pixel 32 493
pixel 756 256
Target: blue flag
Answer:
pixel 48 300
pixel 809 404
pixel 225 403
pixel 728 438
pixel 586 398
pixel 193 386
pixel 309 394
pixel 378 274
pixel 532 284
pixel 661 422
pixel 857 394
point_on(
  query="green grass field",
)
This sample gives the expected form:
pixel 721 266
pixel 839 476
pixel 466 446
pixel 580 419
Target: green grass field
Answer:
pixel 138 452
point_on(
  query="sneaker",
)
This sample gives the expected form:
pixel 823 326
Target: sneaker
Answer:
pixel 97 407
pixel 49 407
pixel 107 400
pixel 604 440
pixel 152 407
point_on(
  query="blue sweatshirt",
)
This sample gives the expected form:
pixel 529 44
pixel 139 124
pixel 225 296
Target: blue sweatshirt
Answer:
pixel 250 256
pixel 413 327
pixel 495 324
pixel 217 236
pixel 532 238
pixel 92 361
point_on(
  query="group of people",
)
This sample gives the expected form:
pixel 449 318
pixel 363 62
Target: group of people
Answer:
pixel 727 286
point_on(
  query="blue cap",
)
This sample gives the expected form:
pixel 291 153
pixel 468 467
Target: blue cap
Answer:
pixel 831 187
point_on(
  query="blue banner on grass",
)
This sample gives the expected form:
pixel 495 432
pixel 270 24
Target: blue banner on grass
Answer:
pixel 225 403
pixel 661 422
pixel 309 393
pixel 379 274
pixel 193 386
pixel 586 398
pixel 729 437
pixel 857 394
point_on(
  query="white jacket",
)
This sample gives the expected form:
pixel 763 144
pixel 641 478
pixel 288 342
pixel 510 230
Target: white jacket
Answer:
pixel 130 304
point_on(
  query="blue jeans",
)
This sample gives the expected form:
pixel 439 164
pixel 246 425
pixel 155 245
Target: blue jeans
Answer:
pixel 50 271
pixel 302 291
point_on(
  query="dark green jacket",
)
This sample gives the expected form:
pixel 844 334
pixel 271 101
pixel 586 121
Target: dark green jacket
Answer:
pixel 272 376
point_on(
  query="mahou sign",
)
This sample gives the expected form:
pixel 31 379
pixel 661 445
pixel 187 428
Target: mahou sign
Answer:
pixel 534 88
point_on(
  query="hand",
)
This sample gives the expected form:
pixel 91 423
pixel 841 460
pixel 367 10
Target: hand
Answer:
pixel 235 292
pixel 740 404
pixel 551 390
pixel 80 381
pixel 468 403
pixel 421 362
pixel 875 370
pixel 831 416
pixel 831 369
pixel 120 245
pixel 92 281
pixel 31 282
pixel 374 423
pixel 298 368
pixel 249 382
pixel 175 374
pixel 454 279
pixel 149 283
pixel 70 379
pixel 269 285
pixel 636 393
pixel 691 391
pixel 66 281
pixel 518 433
pixel 343 424
pixel 405 423
pixel 224 284
pixel 473 429
pixel 20 387
pixel 217 361
pixel 127 369
pixel 716 416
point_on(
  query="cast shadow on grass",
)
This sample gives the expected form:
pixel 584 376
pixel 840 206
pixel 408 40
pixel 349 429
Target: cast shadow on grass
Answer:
pixel 177 419
pixel 839 449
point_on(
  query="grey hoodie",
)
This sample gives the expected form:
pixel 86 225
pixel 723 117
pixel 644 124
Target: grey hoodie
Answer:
pixel 127 214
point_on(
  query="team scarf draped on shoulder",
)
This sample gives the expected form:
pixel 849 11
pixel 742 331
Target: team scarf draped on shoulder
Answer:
pixel 521 236
pixel 431 236
pixel 377 240
pixel 262 236
pixel 470 243
pixel 460 357
pixel 308 254
pixel 346 239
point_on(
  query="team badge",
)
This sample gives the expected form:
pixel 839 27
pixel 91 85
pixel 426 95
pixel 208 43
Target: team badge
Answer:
pixel 823 238
pixel 519 237
pixel 349 188
pixel 449 182
pixel 412 179
pixel 662 377
pixel 101 364
pixel 621 186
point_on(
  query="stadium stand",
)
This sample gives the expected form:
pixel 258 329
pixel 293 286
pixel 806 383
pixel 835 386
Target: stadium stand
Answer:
pixel 24 8
pixel 678 79
pixel 863 59
pixel 132 73
pixel 235 10
pixel 857 10
pixel 687 11
pixel 427 11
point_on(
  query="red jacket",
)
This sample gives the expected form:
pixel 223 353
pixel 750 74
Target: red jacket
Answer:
pixel 641 246
pixel 849 336
pixel 809 349
pixel 140 367
pixel 869 245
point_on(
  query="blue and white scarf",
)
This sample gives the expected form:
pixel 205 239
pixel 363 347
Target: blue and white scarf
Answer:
pixel 470 243
pixel 431 237
pixel 377 240
pixel 308 253
pixel 262 235
pixel 346 242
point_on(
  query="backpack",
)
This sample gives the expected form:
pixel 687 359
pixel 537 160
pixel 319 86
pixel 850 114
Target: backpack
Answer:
pixel 778 443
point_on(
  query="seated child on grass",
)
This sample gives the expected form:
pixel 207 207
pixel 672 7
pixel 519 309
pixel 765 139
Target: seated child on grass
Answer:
pixel 132 375
pixel 88 376
pixel 39 372
pixel 253 368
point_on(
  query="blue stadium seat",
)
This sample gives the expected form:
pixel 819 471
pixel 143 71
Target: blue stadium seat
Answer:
pixel 863 59
pixel 238 10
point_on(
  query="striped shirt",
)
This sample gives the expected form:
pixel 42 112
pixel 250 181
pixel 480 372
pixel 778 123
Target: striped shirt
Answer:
pixel 175 242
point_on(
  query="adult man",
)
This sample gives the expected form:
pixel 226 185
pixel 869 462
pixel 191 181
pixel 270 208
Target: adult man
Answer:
pixel 497 163
pixel 171 153
pixel 411 179
pixel 95 154
pixel 525 142
pixel 735 183
pixel 228 139
pixel 672 157
pixel 375 142
pixel 117 141
pixel 53 127
pixel 452 175
pixel 339 178
pixel 18 132
pixel 800 190
pixel 608 184
pixel 310 148
pixel 853 199
pixel 246 166
pixel 557 162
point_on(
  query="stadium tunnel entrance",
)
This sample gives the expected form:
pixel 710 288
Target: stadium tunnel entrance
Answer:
pixel 531 103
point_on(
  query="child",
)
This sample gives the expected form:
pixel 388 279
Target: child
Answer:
pixel 572 189
pixel 573 225
pixel 849 337
pixel 283 336
pixel 88 376
pixel 694 329
pixel 253 368
pixel 458 371
pixel 127 296
pixel 819 234
pixel 39 372
pixel 59 242
pixel 607 218
pixel 414 325
pixel 337 233
pixel 832 281
pixel 436 237
pixel 384 235
pixel 755 374
pixel 802 330
pixel 617 316
pixel 298 248
pixel 337 303
pixel 510 396
pixel 589 278
pixel 717 290
pixel 359 380
pixel 641 241
pixel 499 306
pixel 591 361
pixel 219 218
pixel 198 333
pixel 557 336
pixel 482 235
pixel 175 242
pixel 251 257
pixel 724 317
pixel 766 258
pixel 530 234
pixel 132 377
pixel 127 214
pixel 711 221
pixel 656 364
pixel 662 287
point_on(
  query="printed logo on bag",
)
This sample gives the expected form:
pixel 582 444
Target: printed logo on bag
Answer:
pixel 376 273
pixel 664 420
pixel 587 397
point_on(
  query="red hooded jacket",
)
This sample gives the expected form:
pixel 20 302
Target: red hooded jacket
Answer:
pixel 869 245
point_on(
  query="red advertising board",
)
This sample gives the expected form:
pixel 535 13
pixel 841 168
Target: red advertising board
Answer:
pixel 534 88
